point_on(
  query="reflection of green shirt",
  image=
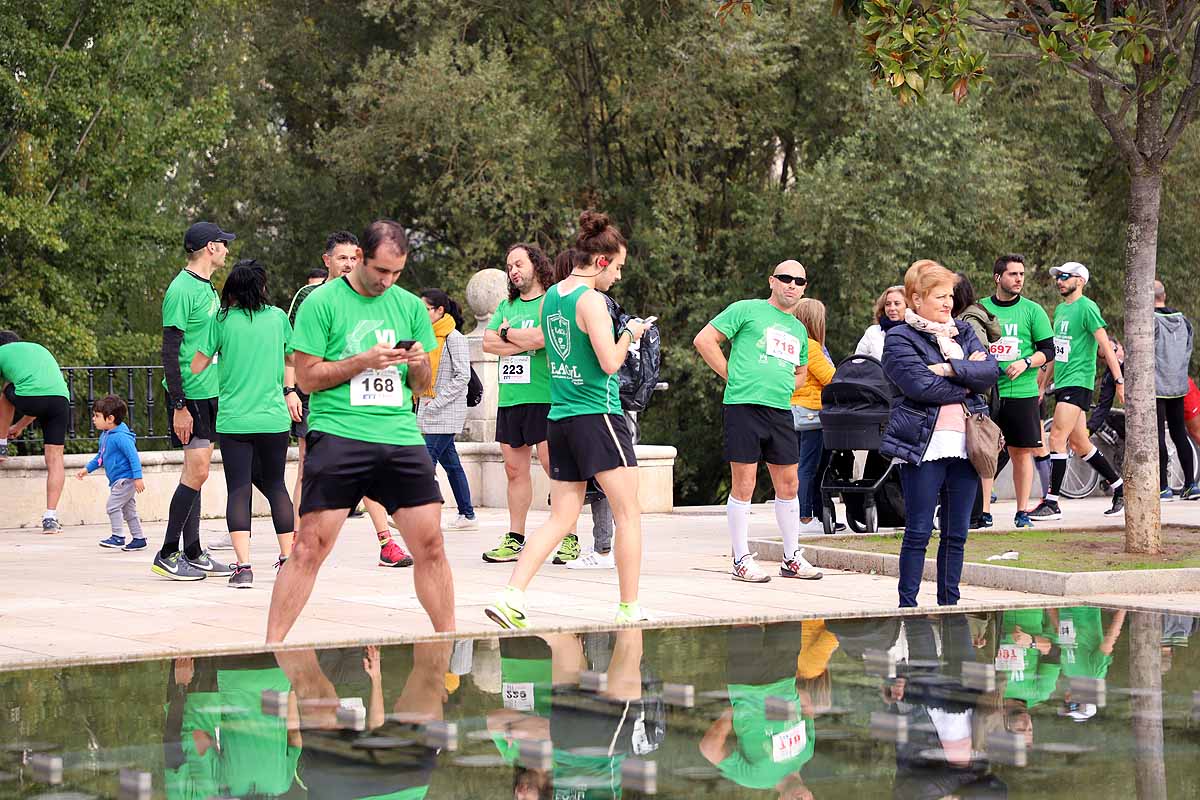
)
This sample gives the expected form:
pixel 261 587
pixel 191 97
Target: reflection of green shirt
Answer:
pixel 1022 324
pixel 197 778
pixel 587 777
pixel 1075 346
pixel 765 347
pixel 189 305
pixel 1080 634
pixel 250 366
pixel 522 382
pixel 255 755
pixel 32 371
pixel 763 756
pixel 1035 681
pixel 526 685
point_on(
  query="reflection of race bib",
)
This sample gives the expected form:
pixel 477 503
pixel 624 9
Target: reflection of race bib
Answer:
pixel 1066 632
pixel 514 369
pixel 1007 348
pixel 789 744
pixel 1062 348
pixel 641 742
pixel 1010 658
pixel 518 696
pixel 783 345
pixel 377 387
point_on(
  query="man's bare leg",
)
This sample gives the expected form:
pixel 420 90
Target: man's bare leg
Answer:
pixel 318 531
pixel 517 462
pixel 1022 472
pixel 55 475
pixel 422 527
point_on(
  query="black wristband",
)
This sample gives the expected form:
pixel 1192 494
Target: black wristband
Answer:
pixel 289 390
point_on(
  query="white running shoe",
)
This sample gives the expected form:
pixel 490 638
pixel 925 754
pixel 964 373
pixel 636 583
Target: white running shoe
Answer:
pixel 224 543
pixel 812 526
pixel 748 570
pixel 593 560
pixel 462 523
pixel 798 567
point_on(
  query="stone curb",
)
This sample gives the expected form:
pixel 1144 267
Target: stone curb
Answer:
pixel 1057 584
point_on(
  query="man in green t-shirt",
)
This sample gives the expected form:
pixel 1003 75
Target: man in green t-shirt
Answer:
pixel 768 361
pixel 187 310
pixel 361 348
pixel 515 335
pixel 1078 335
pixel 34 389
pixel 1025 344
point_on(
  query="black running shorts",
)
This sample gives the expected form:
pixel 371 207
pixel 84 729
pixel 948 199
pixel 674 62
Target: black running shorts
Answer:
pixel 300 429
pixel 52 412
pixel 1075 395
pixel 204 423
pixel 755 433
pixel 339 472
pixel 584 446
pixel 522 425
pixel 1020 420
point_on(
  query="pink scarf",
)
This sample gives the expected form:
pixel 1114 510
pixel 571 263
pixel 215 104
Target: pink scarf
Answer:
pixel 944 331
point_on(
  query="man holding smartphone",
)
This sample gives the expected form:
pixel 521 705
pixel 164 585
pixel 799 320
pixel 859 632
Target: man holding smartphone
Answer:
pixel 361 352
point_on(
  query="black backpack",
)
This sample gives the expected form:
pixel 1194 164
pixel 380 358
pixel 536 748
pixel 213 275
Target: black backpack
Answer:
pixel 474 390
pixel 643 363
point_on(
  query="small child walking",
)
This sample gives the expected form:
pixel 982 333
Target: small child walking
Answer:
pixel 119 457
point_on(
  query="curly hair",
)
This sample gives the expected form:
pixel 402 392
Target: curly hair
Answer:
pixel 542 268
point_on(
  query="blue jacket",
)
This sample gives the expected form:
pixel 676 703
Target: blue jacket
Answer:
pixel 919 396
pixel 118 455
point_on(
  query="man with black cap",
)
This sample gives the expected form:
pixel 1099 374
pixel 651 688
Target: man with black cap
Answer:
pixel 188 307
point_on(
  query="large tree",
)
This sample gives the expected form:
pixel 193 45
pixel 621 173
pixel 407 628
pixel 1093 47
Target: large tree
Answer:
pixel 1140 67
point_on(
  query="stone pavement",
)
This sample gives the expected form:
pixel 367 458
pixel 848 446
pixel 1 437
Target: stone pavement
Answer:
pixel 64 599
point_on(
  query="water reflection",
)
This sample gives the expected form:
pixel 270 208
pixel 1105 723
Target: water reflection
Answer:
pixel 1026 702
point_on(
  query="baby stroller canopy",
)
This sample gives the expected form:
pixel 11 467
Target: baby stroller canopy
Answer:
pixel 855 405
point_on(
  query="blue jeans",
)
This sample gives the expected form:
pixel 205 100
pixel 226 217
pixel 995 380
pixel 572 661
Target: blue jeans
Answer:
pixel 442 451
pixel 958 483
pixel 812 454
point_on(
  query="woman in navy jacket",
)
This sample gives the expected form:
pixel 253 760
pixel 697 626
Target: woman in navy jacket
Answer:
pixel 938 366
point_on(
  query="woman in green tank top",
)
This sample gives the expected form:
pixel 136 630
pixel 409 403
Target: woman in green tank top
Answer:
pixel 588 436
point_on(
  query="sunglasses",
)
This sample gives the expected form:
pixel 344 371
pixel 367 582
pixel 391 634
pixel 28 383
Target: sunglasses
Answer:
pixel 1065 276
pixel 796 279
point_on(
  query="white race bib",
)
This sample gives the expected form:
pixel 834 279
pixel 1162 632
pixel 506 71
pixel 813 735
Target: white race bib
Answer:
pixel 518 696
pixel 783 345
pixel 1007 348
pixel 1066 633
pixel 514 369
pixel 377 387
pixel 1062 348
pixel 789 744
pixel 1010 658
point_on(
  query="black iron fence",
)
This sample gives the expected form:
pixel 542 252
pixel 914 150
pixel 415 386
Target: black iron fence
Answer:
pixel 139 386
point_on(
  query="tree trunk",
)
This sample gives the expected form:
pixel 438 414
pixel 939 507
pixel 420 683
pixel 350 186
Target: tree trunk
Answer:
pixel 1145 674
pixel 1143 521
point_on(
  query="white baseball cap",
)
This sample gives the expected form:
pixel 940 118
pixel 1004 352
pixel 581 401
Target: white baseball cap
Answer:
pixel 1071 268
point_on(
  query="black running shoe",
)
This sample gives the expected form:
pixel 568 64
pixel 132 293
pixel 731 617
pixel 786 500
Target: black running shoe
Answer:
pixel 242 577
pixel 1118 505
pixel 1046 510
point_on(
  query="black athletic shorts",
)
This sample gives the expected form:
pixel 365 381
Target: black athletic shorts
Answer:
pixel 523 425
pixel 755 433
pixel 52 412
pixel 1075 395
pixel 1020 420
pixel 204 423
pixel 339 472
pixel 300 429
pixel 583 446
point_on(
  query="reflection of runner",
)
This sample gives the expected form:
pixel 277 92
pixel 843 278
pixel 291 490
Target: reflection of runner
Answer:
pixel 258 752
pixel 743 744
pixel 191 761
pixel 1028 659
pixel 1086 648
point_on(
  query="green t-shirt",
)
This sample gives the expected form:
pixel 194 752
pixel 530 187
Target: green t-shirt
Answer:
pixel 1075 346
pixel 189 305
pixel 524 378
pixel 578 385
pixel 198 777
pixel 256 757
pixel 336 323
pixel 1027 677
pixel 767 750
pixel 32 371
pixel 765 347
pixel 250 367
pixel 1080 634
pixel 1022 324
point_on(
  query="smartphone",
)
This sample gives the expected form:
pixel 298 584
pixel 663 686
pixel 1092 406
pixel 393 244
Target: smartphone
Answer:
pixel 404 344
pixel 650 320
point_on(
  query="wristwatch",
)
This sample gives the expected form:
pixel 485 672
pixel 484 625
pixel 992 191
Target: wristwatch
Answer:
pixel 1120 381
pixel 1028 362
pixel 504 335
pixel 178 403
pixel 289 390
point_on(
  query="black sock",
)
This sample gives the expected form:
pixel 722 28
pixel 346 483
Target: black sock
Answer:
pixel 520 537
pixel 191 530
pixel 177 516
pixel 1042 465
pixel 1058 471
pixel 1099 463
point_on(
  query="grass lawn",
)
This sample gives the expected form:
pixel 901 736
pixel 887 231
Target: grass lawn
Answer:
pixel 1060 551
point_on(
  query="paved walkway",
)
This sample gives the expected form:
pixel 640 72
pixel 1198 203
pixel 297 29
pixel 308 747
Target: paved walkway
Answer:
pixel 64 599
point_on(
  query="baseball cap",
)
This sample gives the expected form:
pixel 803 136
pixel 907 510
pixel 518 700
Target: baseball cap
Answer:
pixel 1071 268
pixel 201 233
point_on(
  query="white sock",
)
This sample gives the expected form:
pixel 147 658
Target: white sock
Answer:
pixel 50 514
pixel 787 516
pixel 737 514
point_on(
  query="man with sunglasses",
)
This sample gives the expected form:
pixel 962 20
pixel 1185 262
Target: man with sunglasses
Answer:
pixel 768 361
pixel 1078 335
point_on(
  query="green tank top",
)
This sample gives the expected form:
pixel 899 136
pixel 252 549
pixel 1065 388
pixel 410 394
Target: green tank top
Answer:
pixel 578 385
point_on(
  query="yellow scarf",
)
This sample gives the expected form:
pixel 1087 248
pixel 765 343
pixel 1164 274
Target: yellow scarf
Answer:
pixel 441 329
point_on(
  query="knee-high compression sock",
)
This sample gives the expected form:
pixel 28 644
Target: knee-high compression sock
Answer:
pixel 177 516
pixel 787 516
pixel 191 530
pixel 1098 462
pixel 1058 471
pixel 737 514
pixel 1042 465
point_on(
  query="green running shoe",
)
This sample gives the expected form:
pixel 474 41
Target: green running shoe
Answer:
pixel 505 615
pixel 629 614
pixel 510 547
pixel 568 550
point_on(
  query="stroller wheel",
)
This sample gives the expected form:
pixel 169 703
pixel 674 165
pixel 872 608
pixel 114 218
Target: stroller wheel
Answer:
pixel 827 523
pixel 871 518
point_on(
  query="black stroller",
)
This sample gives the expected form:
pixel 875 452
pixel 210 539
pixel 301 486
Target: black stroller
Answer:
pixel 855 409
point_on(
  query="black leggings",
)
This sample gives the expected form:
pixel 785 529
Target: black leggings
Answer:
pixel 1170 416
pixel 256 459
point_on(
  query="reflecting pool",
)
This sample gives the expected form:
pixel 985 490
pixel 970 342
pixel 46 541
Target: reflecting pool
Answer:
pixel 1042 703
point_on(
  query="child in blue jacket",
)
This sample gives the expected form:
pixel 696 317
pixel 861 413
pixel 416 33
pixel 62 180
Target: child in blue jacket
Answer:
pixel 119 457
